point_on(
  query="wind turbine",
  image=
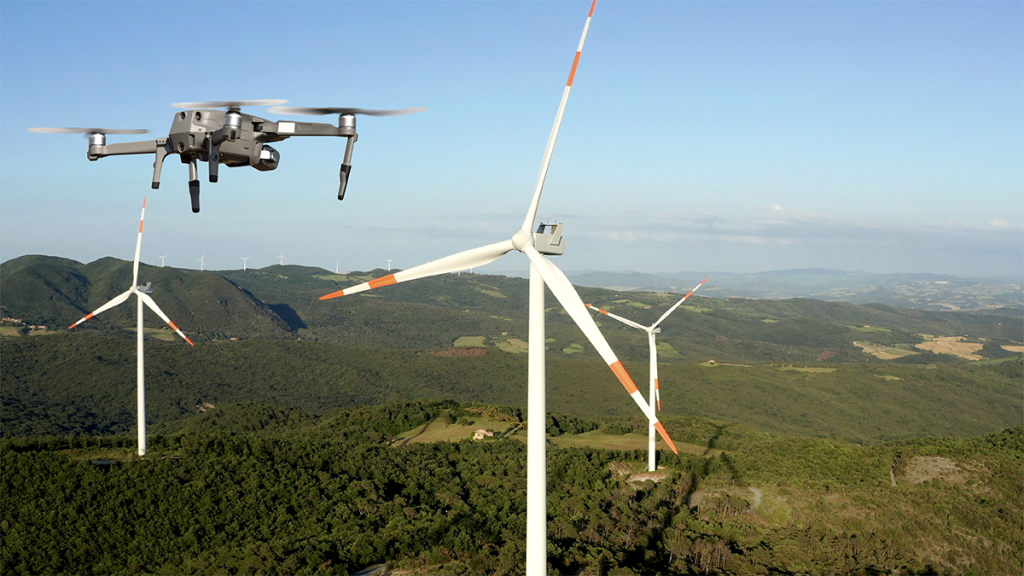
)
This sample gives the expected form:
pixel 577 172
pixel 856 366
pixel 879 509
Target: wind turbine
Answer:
pixel 202 263
pixel 655 394
pixel 142 292
pixel 162 260
pixel 542 272
pixel 282 257
pixel 245 260
pixel 389 263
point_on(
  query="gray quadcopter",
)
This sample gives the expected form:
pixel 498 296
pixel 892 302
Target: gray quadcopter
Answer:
pixel 205 133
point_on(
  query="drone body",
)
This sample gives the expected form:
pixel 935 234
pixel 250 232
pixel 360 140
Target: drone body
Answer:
pixel 205 133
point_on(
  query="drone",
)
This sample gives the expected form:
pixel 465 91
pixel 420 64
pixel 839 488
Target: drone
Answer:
pixel 219 133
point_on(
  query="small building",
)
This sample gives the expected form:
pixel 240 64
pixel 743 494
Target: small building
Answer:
pixel 482 433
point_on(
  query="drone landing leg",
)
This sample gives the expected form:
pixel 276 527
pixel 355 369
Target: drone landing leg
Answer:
pixel 193 184
pixel 162 149
pixel 214 161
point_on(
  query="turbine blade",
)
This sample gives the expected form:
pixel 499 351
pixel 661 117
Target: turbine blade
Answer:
pixel 148 301
pixel 117 300
pixel 657 393
pixel 138 246
pixel 673 309
pixel 469 259
pixel 563 290
pixel 619 318
pixel 531 213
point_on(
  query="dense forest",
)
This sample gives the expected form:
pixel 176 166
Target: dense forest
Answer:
pixel 302 436
pixel 263 490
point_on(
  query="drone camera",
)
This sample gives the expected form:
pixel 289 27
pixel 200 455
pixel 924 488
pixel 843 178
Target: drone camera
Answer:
pixel 269 159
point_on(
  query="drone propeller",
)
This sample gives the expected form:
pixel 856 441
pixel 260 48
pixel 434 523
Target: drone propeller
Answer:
pixel 325 111
pixel 86 131
pixel 228 104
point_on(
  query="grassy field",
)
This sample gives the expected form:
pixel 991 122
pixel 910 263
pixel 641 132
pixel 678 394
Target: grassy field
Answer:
pixel 882 352
pixel 438 431
pixel 470 342
pixel 809 369
pixel 954 345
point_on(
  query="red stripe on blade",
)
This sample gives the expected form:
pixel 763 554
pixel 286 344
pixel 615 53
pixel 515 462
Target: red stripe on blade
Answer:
pixel 592 4
pixel 664 435
pixel 337 294
pixel 620 372
pixel 572 73
pixel 385 281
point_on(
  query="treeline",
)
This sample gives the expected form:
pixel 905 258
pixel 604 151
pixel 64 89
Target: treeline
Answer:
pixel 339 498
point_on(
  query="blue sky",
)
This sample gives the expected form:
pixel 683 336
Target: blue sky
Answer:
pixel 731 136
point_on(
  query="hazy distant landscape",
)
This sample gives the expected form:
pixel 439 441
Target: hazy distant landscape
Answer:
pixel 304 436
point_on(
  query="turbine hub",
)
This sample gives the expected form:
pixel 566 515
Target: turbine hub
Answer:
pixel 522 240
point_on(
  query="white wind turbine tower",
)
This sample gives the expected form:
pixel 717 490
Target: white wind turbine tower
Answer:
pixel 542 272
pixel 389 263
pixel 655 391
pixel 282 257
pixel 142 292
pixel 202 263
pixel 162 260
pixel 245 260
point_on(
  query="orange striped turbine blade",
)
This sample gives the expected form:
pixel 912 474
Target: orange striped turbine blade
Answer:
pixel 473 258
pixel 630 386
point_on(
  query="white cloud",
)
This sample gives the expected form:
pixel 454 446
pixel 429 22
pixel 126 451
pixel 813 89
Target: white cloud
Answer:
pixel 998 223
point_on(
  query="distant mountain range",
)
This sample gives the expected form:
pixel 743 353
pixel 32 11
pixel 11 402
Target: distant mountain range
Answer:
pixel 282 302
pixel 925 291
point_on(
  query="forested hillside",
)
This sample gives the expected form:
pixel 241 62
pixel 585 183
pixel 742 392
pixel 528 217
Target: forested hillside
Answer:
pixel 75 384
pixel 260 489
pixel 282 302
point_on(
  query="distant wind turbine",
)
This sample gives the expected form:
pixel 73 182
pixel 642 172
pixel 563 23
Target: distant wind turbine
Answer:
pixel 162 260
pixel 337 265
pixel 542 273
pixel 202 263
pixel 282 257
pixel 142 293
pixel 245 259
pixel 389 264
pixel 655 393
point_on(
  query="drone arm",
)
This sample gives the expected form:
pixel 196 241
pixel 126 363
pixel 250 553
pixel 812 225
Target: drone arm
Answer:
pixel 163 148
pixel 285 129
pixel 124 148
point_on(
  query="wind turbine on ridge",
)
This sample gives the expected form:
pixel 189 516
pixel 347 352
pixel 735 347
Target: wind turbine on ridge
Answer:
pixel 162 260
pixel 282 257
pixel 245 260
pixel 142 293
pixel 390 260
pixel 202 263
pixel 542 272
pixel 655 393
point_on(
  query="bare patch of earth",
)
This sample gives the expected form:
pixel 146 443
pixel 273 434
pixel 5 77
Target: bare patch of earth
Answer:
pixel 925 468
pixel 645 476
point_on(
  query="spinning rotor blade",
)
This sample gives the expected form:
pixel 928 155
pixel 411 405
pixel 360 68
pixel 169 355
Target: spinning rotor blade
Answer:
pixel 673 309
pixel 138 246
pixel 117 300
pixel 619 318
pixel 531 213
pixel 325 111
pixel 148 301
pixel 228 104
pixel 463 260
pixel 570 300
pixel 87 131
